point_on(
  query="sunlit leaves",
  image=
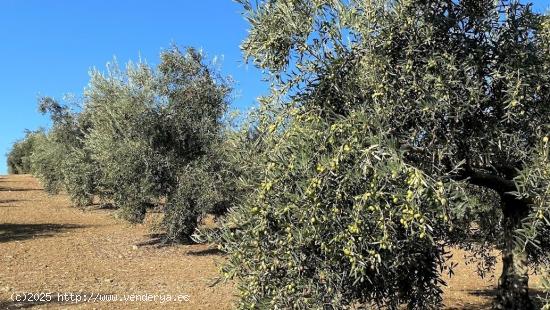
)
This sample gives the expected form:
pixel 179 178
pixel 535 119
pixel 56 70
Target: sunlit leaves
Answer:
pixel 399 112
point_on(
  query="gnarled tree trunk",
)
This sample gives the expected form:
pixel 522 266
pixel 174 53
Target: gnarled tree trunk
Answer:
pixel 513 286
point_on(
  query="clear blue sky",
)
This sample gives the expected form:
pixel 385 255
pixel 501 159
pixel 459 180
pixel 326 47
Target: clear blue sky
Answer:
pixel 48 47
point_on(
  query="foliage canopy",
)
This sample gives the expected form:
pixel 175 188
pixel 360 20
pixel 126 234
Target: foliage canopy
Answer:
pixel 394 130
pixel 141 138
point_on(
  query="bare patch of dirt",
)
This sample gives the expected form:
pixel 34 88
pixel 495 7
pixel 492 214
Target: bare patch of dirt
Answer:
pixel 467 291
pixel 48 246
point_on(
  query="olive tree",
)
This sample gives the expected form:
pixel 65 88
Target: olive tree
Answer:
pixel 121 108
pixel 157 136
pixel 396 129
pixel 60 159
pixel 193 142
pixel 19 157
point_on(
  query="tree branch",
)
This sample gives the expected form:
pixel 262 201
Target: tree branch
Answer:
pixel 491 181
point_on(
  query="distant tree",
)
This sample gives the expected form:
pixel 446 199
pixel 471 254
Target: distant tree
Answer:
pixel 19 157
pixel 395 130
pixel 121 109
pixel 157 136
pixel 61 160
pixel 192 139
pixel 141 138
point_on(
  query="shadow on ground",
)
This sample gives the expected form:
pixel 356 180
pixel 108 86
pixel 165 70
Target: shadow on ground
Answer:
pixel 11 189
pixel 206 252
pixel 491 295
pixel 17 232
pixel 100 206
pixel 4 201
pixel 470 306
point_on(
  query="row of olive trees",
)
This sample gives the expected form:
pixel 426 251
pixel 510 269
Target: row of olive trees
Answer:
pixel 142 138
pixel 394 131
pixel 19 157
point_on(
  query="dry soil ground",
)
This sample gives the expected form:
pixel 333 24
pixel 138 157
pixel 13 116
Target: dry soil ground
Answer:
pixel 48 246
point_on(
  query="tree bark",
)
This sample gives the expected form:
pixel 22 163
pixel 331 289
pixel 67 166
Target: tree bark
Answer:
pixel 513 286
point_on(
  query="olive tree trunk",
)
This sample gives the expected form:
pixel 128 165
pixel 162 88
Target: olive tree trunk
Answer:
pixel 513 285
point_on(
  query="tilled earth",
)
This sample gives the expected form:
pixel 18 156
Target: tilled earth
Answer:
pixel 47 246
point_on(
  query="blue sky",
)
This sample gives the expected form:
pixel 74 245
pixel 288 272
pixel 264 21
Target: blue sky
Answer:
pixel 48 47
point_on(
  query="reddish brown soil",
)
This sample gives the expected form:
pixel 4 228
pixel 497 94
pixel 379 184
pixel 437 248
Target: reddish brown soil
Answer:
pixel 48 246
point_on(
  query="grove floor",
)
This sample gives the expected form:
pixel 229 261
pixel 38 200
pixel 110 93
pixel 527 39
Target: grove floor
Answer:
pixel 47 246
